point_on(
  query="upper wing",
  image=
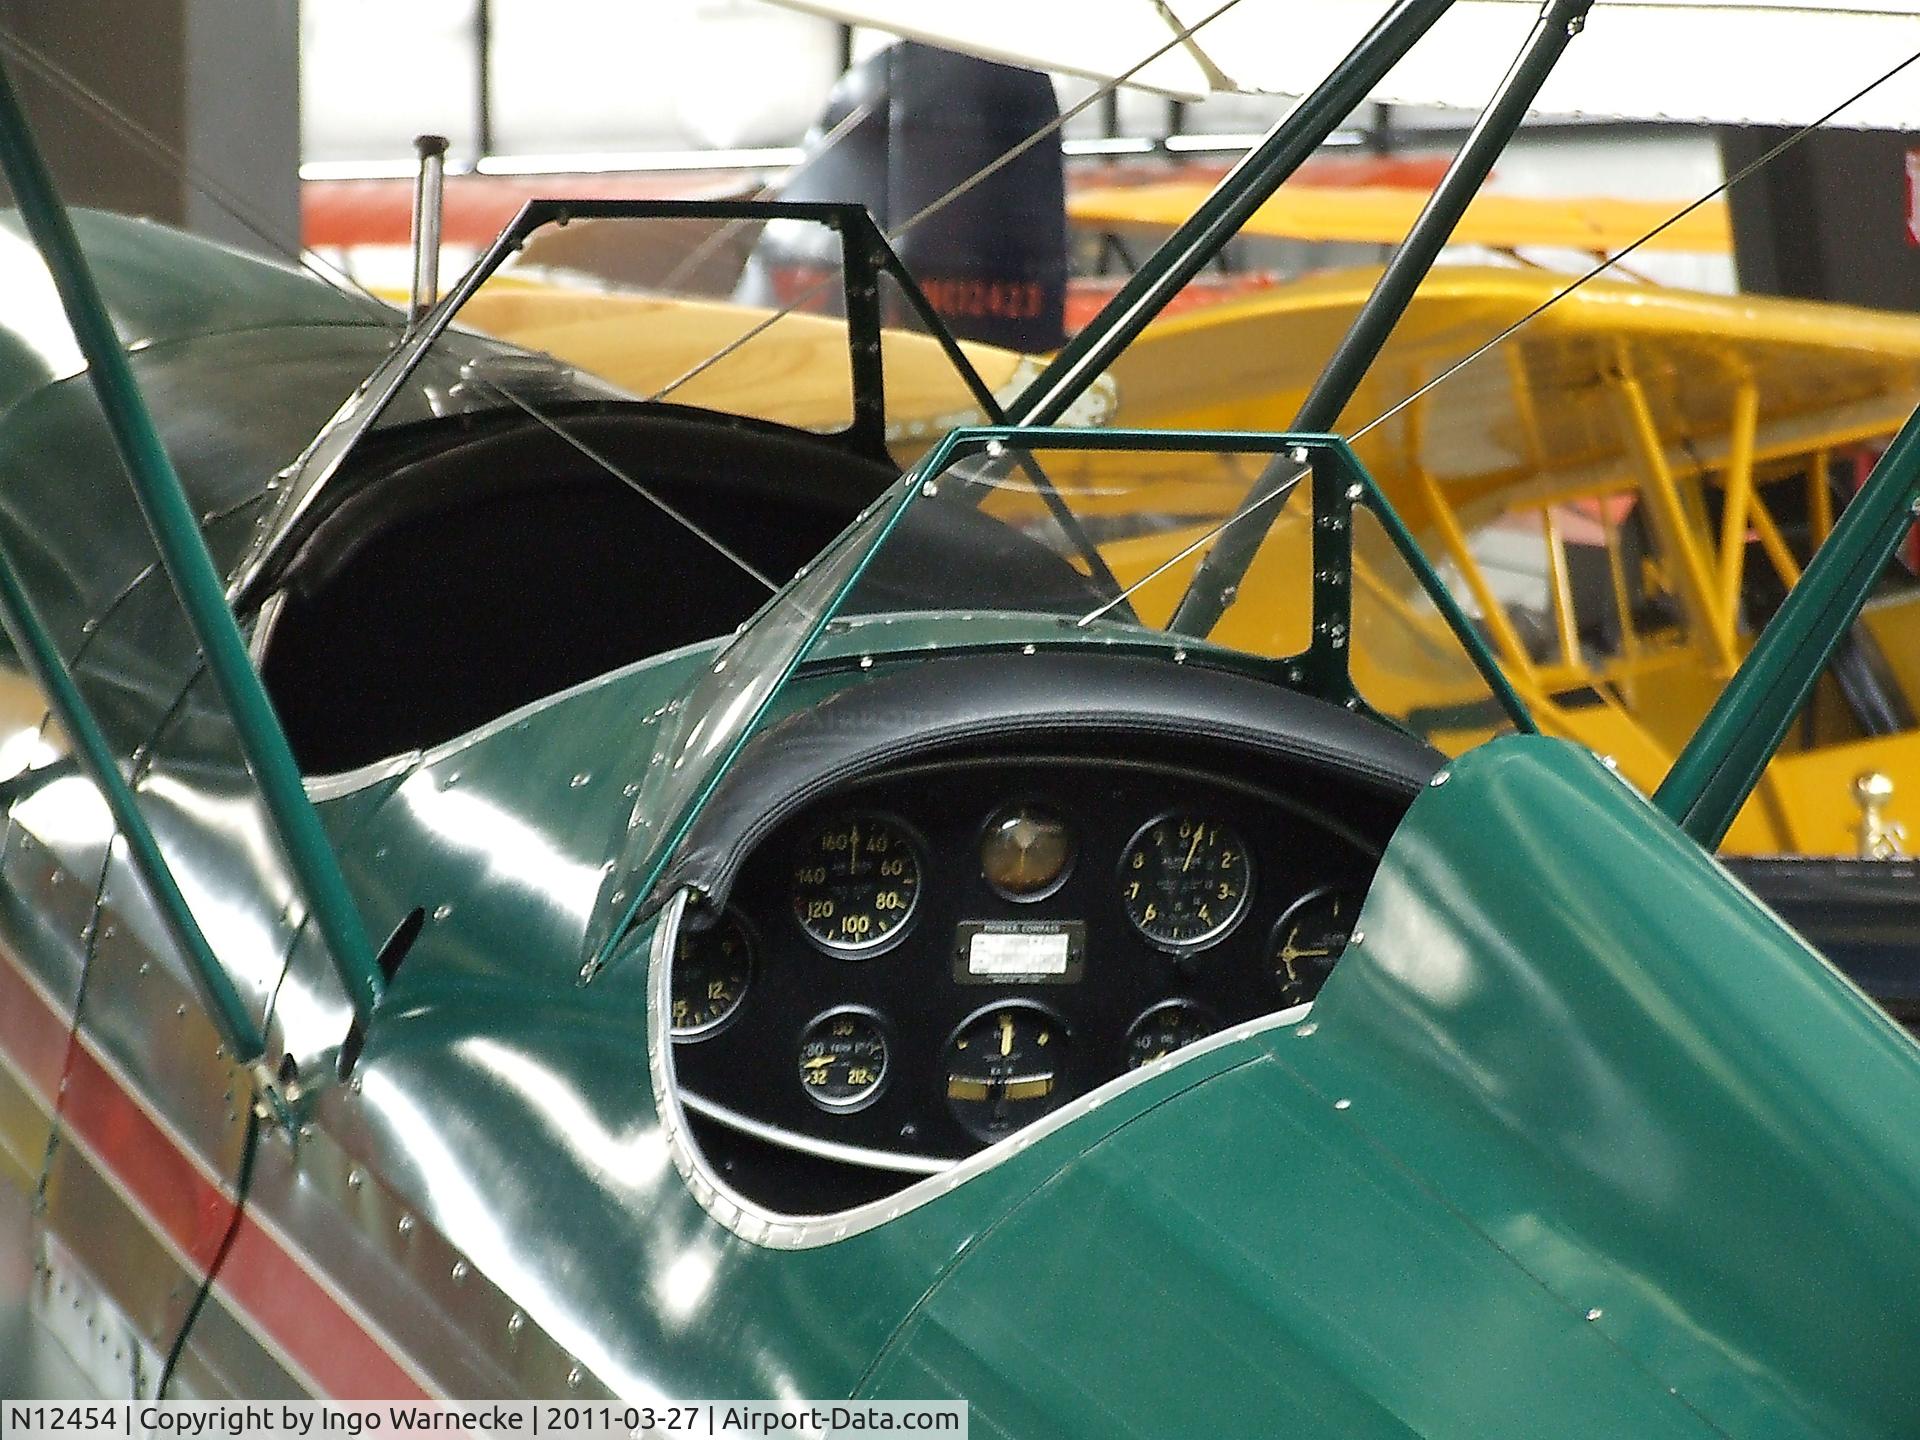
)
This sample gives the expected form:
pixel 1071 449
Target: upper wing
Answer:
pixel 1777 62
pixel 1539 409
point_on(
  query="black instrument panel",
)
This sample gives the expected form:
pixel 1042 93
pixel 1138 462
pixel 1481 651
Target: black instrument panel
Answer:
pixel 931 960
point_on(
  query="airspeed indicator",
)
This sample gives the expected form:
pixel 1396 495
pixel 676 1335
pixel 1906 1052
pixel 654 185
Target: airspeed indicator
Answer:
pixel 855 881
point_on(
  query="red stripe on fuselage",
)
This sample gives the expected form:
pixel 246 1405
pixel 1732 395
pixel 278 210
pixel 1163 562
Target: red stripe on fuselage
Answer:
pixel 263 1281
pixel 173 1193
pixel 37 1049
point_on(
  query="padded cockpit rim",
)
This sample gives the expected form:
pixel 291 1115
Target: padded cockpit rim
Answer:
pixel 880 722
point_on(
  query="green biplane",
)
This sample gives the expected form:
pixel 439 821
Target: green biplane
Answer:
pixel 437 958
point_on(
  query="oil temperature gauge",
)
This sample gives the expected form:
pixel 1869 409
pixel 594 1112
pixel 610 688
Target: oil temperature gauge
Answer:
pixel 1003 1069
pixel 843 1059
pixel 1309 938
pixel 712 969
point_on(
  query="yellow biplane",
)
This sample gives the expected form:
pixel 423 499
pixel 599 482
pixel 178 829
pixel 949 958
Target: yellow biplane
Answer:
pixel 1621 491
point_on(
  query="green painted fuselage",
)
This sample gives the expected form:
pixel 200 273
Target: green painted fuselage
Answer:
pixel 1577 1138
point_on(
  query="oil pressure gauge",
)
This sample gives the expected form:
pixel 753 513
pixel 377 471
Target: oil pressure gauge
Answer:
pixel 1167 1027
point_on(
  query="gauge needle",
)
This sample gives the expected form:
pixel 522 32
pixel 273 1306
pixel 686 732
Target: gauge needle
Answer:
pixel 1192 850
pixel 1287 952
pixel 1006 1034
pixel 818 1060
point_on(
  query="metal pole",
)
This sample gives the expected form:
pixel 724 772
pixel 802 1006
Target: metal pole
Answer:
pixel 429 188
pixel 1720 765
pixel 1214 583
pixel 1245 189
pixel 184 555
pixel 483 79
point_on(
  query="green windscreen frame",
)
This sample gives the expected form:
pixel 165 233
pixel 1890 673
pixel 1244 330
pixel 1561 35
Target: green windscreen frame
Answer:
pixel 743 681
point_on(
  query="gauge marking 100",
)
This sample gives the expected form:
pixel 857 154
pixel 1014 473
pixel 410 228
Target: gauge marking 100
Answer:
pixel 855 883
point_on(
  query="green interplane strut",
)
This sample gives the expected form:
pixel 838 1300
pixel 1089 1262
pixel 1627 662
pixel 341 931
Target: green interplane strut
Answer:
pixel 1247 187
pixel 1217 579
pixel 184 555
pixel 35 646
pixel 1722 762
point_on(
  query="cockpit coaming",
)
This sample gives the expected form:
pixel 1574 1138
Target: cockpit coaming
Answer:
pixel 934 942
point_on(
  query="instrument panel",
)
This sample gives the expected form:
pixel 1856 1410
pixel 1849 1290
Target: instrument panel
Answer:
pixel 929 961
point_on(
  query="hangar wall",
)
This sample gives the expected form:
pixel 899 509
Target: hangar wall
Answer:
pixel 1831 219
pixel 216 82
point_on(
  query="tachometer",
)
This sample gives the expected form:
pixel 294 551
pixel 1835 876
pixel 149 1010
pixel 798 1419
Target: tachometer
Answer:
pixel 1003 1069
pixel 843 1059
pixel 1167 1027
pixel 712 969
pixel 1185 880
pixel 855 881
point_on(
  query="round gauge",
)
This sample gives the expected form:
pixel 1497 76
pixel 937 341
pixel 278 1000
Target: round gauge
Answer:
pixel 1003 1069
pixel 843 1059
pixel 1164 1029
pixel 1309 938
pixel 855 881
pixel 1025 852
pixel 1185 880
pixel 712 969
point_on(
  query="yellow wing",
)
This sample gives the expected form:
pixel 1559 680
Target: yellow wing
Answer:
pixel 1539 409
pixel 792 369
pixel 1517 471
pixel 1382 215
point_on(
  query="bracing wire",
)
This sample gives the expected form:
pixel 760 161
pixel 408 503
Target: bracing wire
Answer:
pixel 1179 37
pixel 1267 501
pixel 78 92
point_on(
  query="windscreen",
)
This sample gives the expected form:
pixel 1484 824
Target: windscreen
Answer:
pixel 685 304
pixel 1087 538
pixel 674 309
